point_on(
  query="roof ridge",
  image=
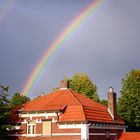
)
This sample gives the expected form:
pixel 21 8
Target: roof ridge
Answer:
pixel 82 109
pixel 74 97
pixel 81 105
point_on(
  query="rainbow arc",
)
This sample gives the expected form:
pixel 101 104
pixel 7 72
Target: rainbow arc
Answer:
pixel 58 42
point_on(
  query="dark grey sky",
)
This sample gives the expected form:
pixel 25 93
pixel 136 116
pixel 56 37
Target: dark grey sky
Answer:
pixel 105 46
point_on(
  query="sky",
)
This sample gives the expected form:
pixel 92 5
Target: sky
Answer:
pixel 105 46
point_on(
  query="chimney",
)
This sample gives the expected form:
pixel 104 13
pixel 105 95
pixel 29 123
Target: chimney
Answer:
pixel 112 104
pixel 42 94
pixel 64 84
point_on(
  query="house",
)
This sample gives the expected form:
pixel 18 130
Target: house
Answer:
pixel 67 115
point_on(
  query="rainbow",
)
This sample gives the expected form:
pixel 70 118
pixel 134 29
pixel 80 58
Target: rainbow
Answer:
pixel 58 42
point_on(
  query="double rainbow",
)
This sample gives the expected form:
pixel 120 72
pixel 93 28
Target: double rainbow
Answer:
pixel 33 78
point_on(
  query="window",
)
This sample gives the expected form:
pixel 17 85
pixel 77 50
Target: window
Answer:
pixel 31 127
pixel 46 127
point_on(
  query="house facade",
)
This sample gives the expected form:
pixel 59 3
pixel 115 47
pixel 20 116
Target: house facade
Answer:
pixel 67 115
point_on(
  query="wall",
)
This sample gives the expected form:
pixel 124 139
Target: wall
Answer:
pixel 104 134
pixel 70 133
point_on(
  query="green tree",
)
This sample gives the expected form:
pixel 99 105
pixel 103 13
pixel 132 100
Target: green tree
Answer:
pixel 104 102
pixel 129 101
pixel 4 112
pixel 18 100
pixel 82 84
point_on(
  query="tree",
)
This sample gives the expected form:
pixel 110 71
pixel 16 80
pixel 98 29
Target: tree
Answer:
pixel 18 100
pixel 104 102
pixel 82 84
pixel 6 106
pixel 4 112
pixel 129 101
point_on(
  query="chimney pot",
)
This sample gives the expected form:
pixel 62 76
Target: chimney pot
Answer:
pixel 111 89
pixel 64 84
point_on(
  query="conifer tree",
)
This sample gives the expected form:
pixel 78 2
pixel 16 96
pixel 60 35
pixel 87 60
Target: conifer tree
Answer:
pixel 4 112
pixel 18 100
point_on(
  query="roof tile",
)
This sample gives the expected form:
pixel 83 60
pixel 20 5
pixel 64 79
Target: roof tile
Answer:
pixel 130 136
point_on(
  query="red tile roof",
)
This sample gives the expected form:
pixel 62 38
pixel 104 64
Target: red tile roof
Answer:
pixel 130 136
pixel 78 107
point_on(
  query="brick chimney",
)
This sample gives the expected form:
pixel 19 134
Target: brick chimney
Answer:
pixel 112 104
pixel 64 84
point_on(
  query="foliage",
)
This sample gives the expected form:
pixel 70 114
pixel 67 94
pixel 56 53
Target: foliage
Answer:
pixel 18 100
pixel 129 101
pixel 82 84
pixel 6 106
pixel 104 102
pixel 4 112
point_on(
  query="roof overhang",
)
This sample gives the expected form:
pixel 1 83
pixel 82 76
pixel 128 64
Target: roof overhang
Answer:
pixel 49 110
pixel 97 125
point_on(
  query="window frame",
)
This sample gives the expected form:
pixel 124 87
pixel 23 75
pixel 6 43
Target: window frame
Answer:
pixel 31 127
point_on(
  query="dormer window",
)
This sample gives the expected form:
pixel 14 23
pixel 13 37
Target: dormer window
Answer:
pixel 31 127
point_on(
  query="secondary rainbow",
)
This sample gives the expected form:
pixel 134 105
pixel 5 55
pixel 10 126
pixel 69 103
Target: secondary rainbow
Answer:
pixel 33 78
pixel 5 9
